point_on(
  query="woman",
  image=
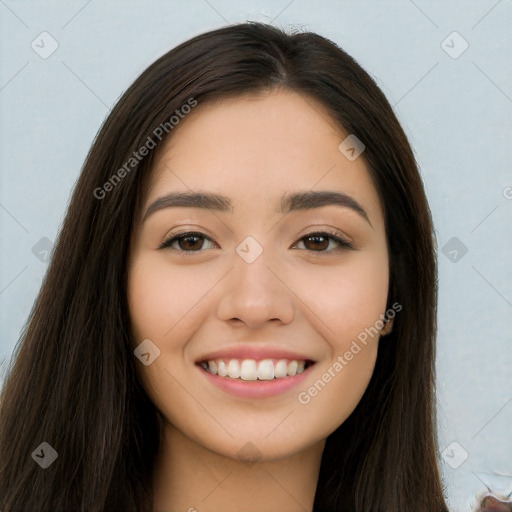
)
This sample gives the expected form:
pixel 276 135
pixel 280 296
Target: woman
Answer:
pixel 240 311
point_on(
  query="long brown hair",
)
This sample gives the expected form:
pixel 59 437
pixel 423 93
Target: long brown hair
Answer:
pixel 73 380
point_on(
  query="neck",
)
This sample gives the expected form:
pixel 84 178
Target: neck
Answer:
pixel 191 478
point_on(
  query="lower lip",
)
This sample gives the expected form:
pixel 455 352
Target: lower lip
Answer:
pixel 256 388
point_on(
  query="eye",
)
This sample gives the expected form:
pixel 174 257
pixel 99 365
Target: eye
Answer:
pixel 187 242
pixel 194 241
pixel 323 242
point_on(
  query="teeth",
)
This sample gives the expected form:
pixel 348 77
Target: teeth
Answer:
pixel 266 369
pixel 221 369
pixel 280 369
pixel 250 369
pixel 292 367
pixel 212 367
pixel 233 369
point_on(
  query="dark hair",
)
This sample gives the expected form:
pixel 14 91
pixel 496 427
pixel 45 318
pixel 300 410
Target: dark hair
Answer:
pixel 73 383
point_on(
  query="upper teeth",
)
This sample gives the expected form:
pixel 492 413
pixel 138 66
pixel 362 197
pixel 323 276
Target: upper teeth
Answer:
pixel 250 369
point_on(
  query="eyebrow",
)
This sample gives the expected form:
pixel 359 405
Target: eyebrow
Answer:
pixel 289 202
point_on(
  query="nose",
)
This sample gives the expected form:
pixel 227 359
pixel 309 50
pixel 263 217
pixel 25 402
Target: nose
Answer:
pixel 255 293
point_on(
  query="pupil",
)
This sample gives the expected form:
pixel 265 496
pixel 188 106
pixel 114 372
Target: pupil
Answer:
pixel 319 239
pixel 185 241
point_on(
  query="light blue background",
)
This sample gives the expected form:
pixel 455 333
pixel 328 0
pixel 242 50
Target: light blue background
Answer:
pixel 457 113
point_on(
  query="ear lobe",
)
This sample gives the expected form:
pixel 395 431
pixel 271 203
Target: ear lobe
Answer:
pixel 388 327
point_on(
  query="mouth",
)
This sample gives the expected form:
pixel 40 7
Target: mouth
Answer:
pixel 255 370
pixel 255 378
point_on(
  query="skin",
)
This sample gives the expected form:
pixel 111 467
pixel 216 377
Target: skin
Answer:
pixel 253 149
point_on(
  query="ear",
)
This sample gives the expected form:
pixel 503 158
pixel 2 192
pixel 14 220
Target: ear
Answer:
pixel 388 327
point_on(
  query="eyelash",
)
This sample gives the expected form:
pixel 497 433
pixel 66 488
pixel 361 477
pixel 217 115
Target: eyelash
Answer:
pixel 325 234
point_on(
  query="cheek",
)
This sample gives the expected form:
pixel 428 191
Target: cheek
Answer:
pixel 348 301
pixel 347 298
pixel 161 298
pixel 165 307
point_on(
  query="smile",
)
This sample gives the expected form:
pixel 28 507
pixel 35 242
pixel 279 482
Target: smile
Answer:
pixel 252 369
pixel 255 378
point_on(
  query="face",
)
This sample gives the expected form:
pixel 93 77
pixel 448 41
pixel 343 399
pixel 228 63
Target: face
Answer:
pixel 276 292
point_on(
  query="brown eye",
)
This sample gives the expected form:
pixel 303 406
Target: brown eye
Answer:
pixel 188 242
pixel 320 242
pixel 316 242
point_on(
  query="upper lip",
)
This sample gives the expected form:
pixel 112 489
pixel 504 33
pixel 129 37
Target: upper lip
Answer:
pixel 253 352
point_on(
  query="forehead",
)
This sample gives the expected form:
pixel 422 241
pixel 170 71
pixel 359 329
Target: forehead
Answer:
pixel 255 148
